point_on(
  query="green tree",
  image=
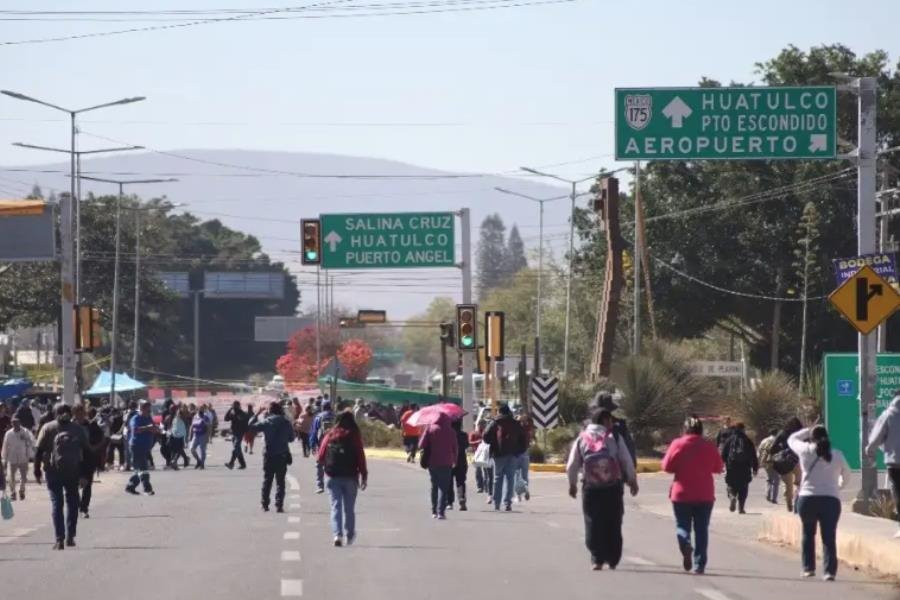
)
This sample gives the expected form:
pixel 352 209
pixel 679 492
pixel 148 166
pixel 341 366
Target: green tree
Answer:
pixel 491 254
pixel 514 260
pixel 421 341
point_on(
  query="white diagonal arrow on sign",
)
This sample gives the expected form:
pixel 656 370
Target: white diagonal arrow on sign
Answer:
pixel 818 142
pixel 333 239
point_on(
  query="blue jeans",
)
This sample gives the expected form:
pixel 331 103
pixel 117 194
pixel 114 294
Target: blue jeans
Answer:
pixel 824 511
pixel 198 449
pixel 505 468
pixel 141 464
pixel 320 476
pixel 343 505
pixel 237 453
pixel 698 515
pixel 773 482
pixel 441 481
pixel 63 491
pixel 522 462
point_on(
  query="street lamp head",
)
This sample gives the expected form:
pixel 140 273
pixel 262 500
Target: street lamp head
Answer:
pixel 16 95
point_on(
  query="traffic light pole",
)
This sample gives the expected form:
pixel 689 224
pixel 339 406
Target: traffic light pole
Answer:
pixel 445 384
pixel 468 395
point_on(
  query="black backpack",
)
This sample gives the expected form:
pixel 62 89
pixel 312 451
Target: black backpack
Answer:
pixel 785 461
pixel 739 453
pixel 340 457
pixel 67 454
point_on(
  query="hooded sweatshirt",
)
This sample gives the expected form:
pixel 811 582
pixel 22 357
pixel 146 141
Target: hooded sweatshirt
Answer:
pixel 441 442
pixel 886 433
pixel 617 448
pixel 18 447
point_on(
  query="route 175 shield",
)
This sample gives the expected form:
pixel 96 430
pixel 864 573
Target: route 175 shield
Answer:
pixel 638 110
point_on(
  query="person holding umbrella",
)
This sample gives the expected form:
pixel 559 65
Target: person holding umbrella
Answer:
pixel 440 449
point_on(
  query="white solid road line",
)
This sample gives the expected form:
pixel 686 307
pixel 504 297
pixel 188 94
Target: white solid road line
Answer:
pixel 292 535
pixel 290 556
pixel 712 594
pixel 16 534
pixel 293 482
pixel 291 588
pixel 293 519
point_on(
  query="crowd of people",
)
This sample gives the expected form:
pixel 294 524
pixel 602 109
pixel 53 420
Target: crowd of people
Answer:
pixel 72 443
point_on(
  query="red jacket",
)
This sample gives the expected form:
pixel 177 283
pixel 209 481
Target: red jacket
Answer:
pixel 355 439
pixel 694 460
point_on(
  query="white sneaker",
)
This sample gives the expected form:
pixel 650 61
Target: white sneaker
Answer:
pixel 808 574
pixel 828 577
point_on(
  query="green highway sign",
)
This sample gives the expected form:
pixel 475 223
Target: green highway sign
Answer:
pixel 842 399
pixel 726 123
pixel 388 240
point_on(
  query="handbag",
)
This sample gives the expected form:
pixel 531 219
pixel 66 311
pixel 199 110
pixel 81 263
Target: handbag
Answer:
pixel 425 457
pixel 482 457
pixel 6 508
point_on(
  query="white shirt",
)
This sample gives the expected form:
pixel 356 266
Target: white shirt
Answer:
pixel 820 477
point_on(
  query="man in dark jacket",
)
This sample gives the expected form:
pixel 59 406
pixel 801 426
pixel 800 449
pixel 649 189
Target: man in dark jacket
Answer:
pixel 507 440
pixel 60 450
pixel 240 420
pixel 25 416
pixel 279 433
pixel 741 465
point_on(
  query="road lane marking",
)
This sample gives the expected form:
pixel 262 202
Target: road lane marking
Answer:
pixel 290 556
pixel 295 496
pixel 295 506
pixel 16 534
pixel 712 594
pixel 292 535
pixel 637 560
pixel 293 482
pixel 291 588
pixel 293 519
pixel 552 524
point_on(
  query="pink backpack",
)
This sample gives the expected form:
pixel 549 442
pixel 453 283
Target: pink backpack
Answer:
pixel 601 468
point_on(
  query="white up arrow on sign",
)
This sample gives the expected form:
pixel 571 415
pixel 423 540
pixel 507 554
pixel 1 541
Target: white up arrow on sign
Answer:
pixel 678 111
pixel 818 142
pixel 333 239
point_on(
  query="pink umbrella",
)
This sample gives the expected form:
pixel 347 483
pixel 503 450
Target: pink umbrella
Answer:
pixel 430 414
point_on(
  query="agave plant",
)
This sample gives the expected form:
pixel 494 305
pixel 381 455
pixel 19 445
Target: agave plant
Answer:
pixel 652 400
pixel 770 403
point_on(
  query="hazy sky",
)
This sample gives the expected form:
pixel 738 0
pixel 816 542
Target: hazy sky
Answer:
pixel 474 91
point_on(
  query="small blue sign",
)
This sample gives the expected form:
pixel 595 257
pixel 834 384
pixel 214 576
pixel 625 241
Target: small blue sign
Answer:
pixel 846 387
pixel 884 264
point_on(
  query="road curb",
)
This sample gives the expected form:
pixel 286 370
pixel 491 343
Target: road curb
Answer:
pixel 648 465
pixel 869 552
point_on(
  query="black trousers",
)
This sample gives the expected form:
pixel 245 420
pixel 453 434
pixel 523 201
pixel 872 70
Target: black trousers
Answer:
pixel 603 511
pixel 274 467
pixel 894 474
pixel 460 473
pixel 237 452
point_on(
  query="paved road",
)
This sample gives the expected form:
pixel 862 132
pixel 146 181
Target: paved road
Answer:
pixel 203 535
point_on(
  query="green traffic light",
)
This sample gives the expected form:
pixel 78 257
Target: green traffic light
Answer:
pixel 466 341
pixel 311 255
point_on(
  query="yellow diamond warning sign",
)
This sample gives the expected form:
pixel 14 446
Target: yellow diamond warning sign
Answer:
pixel 865 299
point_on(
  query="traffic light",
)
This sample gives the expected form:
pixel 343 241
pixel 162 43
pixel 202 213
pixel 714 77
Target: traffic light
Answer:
pixel 494 326
pixel 312 241
pixel 448 334
pixel 87 328
pixel 466 327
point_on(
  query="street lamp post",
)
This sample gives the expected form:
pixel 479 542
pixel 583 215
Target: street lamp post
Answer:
pixel 573 196
pixel 114 341
pixel 67 272
pixel 541 202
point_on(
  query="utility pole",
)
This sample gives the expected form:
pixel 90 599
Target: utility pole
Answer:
pixel 636 261
pixel 468 389
pixel 196 294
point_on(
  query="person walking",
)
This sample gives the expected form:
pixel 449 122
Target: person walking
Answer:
pixel 461 469
pixel 175 431
pixel 824 470
pixel 724 433
pixel 141 435
pixel 92 458
pixel 523 460
pixel 250 436
pixel 507 440
pixel 604 463
pixel 279 433
pixel 239 424
pixel 17 450
pixel 693 461
pixel 322 424
pixel 886 434
pixel 200 430
pixel 484 475
pixel 786 463
pixel 741 466
pixel 303 425
pixel 439 448
pixel 411 434
pixel 343 458
pixel 26 415
pixel 60 448
pixel 764 456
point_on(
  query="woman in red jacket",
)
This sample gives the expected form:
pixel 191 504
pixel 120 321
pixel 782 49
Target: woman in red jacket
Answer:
pixel 342 455
pixel 693 460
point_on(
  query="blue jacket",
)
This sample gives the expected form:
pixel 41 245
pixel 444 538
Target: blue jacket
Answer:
pixel 278 431
pixel 886 433
pixel 317 424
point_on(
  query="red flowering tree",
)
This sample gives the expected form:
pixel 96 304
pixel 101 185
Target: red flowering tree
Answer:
pixel 355 357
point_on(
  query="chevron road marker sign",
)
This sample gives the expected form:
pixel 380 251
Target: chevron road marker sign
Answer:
pixel 545 402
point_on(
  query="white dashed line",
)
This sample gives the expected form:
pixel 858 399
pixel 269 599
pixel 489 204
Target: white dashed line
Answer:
pixel 295 506
pixel 16 534
pixel 295 496
pixel 291 588
pixel 637 560
pixel 293 519
pixel 290 556
pixel 293 482
pixel 712 594
pixel 552 524
pixel 292 535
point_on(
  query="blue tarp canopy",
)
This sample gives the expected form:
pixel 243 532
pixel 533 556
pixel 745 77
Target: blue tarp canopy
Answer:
pixel 124 383
pixel 13 387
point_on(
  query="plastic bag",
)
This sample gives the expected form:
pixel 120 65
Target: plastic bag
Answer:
pixel 482 457
pixel 6 508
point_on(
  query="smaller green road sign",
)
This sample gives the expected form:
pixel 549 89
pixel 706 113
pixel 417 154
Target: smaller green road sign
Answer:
pixel 388 240
pixel 726 123
pixel 842 414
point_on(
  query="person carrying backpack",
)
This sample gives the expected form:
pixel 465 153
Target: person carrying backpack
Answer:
pixel 60 449
pixel 507 440
pixel 343 459
pixel 764 454
pixel 322 424
pixel 605 465
pixel 741 466
pixel 786 462
pixel 279 433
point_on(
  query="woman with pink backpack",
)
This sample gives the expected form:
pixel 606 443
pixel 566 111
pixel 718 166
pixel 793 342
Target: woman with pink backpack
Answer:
pixel 602 459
